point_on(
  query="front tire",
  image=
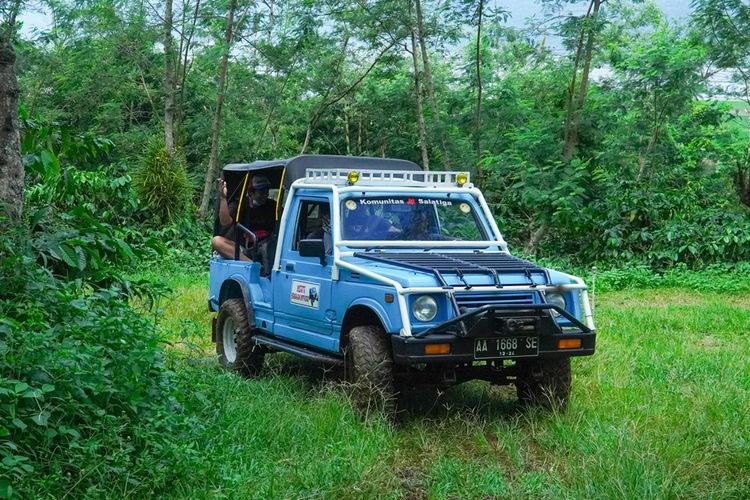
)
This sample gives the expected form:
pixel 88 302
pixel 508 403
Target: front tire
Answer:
pixel 370 370
pixel 545 383
pixel 234 339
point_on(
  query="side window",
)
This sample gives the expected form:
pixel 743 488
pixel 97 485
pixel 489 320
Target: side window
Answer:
pixel 312 222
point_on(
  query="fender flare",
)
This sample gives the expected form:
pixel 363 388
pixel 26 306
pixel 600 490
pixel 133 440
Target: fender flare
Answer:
pixel 235 288
pixel 379 311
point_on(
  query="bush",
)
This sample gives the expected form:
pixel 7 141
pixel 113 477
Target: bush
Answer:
pixel 87 401
pixel 162 182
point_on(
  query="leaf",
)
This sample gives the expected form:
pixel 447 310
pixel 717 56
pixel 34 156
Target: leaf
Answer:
pixel 19 423
pixel 81 257
pixel 51 164
pixel 69 255
pixel 41 419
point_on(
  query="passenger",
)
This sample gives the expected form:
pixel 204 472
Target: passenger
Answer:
pixel 256 214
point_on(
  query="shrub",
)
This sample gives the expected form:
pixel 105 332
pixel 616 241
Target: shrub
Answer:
pixel 162 183
pixel 87 401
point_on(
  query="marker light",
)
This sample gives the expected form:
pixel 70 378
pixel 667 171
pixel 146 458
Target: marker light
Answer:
pixel 353 177
pixel 437 349
pixel 461 179
pixel 569 344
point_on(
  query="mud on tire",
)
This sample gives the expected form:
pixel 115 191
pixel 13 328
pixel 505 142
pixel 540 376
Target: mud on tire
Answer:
pixel 234 343
pixel 369 367
pixel 550 388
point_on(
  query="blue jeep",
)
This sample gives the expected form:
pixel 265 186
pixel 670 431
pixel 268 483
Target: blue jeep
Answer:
pixel 399 275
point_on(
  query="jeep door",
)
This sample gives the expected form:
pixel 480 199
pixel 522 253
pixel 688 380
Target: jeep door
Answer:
pixel 302 288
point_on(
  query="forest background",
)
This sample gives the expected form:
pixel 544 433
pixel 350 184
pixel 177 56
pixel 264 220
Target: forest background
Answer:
pixel 600 137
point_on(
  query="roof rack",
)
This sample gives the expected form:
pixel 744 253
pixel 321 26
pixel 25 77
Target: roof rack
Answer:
pixel 340 176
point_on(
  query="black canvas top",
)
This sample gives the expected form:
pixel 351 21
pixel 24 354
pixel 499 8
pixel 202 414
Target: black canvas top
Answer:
pixel 296 167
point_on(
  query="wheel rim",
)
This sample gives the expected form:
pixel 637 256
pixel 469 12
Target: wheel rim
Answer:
pixel 229 340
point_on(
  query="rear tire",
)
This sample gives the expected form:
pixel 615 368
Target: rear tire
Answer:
pixel 234 339
pixel 370 370
pixel 550 389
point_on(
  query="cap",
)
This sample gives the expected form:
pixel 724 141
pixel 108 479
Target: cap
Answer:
pixel 261 182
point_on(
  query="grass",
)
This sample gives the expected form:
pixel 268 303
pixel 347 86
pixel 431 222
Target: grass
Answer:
pixel 661 411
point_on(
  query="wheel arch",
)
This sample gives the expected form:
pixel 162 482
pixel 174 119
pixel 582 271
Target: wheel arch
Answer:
pixel 234 288
pixel 362 313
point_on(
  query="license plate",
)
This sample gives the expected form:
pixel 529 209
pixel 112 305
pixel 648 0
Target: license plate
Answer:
pixel 506 347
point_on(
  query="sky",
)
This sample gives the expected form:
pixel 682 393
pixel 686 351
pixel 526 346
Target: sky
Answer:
pixel 519 12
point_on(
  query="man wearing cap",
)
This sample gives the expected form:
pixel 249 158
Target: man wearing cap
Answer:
pixel 256 214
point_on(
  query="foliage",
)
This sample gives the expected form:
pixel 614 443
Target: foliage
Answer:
pixel 162 182
pixel 84 390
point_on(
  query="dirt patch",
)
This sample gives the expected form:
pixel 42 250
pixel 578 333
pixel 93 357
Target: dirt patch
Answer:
pixel 412 483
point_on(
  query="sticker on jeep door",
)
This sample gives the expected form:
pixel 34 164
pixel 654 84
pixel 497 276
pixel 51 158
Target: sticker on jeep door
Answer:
pixel 305 294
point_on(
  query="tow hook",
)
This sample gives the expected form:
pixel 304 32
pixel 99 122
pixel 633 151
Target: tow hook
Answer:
pixel 536 373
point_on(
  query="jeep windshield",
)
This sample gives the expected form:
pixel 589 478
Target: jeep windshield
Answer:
pixel 410 218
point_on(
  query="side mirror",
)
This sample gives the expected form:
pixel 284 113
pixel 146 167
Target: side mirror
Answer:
pixel 313 248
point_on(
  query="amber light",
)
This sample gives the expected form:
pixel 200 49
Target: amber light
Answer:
pixel 461 179
pixel 353 177
pixel 437 349
pixel 569 344
pixel 388 298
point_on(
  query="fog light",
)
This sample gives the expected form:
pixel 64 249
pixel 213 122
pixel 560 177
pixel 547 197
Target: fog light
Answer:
pixel 461 179
pixel 353 177
pixel 437 349
pixel 569 344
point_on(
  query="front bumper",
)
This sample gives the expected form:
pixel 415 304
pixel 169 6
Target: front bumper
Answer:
pixel 496 322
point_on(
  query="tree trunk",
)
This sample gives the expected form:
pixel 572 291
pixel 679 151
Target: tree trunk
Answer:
pixel 643 155
pixel 420 110
pixel 169 79
pixel 183 63
pixel 11 168
pixel 577 97
pixel 346 132
pixel 536 238
pixel 742 179
pixel 478 117
pixel 209 185
pixel 430 86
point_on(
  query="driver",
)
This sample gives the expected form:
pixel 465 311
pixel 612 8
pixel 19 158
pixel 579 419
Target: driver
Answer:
pixel 420 227
pixel 256 214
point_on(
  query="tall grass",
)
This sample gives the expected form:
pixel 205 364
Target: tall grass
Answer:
pixel 662 410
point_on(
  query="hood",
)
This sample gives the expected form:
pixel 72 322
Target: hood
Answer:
pixel 430 269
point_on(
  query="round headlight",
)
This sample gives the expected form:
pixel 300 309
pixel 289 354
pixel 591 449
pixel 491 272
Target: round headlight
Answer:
pixel 424 308
pixel 556 300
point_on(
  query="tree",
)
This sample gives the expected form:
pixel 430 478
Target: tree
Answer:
pixel 430 84
pixel 11 168
pixel 724 26
pixel 589 27
pixel 418 101
pixel 209 183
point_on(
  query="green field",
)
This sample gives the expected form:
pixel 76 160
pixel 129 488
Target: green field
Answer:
pixel 661 411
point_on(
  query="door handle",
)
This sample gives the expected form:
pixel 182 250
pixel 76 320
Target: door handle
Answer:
pixel 289 266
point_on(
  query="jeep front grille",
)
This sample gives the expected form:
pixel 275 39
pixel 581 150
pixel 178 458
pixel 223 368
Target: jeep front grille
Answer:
pixel 469 301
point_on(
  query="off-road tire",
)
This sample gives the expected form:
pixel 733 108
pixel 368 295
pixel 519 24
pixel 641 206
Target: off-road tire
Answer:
pixel 369 367
pixel 247 358
pixel 551 390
